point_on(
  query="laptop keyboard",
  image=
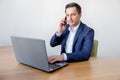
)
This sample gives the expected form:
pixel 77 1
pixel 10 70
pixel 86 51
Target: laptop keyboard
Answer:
pixel 54 65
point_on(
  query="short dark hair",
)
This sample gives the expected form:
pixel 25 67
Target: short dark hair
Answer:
pixel 73 4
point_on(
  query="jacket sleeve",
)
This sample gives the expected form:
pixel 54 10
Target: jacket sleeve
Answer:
pixel 55 40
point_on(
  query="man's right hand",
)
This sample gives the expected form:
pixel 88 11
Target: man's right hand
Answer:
pixel 62 26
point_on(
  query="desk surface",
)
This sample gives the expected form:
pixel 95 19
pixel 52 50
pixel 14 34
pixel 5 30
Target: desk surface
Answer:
pixel 94 69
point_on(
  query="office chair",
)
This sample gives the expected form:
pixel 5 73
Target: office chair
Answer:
pixel 94 49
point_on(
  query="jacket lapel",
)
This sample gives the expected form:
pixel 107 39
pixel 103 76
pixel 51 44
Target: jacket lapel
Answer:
pixel 64 41
pixel 66 37
pixel 78 33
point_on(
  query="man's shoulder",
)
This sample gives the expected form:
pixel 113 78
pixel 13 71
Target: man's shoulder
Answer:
pixel 85 27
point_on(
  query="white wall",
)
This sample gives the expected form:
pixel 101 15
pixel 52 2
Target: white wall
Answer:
pixel 40 18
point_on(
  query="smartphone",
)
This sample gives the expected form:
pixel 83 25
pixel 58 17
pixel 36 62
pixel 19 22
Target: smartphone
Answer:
pixel 65 22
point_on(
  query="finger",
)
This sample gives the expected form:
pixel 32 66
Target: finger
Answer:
pixel 53 60
pixel 50 59
pixel 62 21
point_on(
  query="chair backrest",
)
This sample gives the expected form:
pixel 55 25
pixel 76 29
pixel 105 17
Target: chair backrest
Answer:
pixel 94 49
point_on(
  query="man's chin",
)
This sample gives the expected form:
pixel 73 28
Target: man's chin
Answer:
pixel 71 24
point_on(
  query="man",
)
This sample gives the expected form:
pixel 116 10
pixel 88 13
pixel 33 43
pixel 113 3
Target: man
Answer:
pixel 76 38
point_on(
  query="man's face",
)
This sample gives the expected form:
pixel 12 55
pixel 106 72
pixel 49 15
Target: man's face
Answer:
pixel 73 18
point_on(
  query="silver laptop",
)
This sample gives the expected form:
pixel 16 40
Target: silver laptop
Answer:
pixel 32 52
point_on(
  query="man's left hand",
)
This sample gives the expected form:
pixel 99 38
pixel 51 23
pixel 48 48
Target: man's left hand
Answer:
pixel 55 58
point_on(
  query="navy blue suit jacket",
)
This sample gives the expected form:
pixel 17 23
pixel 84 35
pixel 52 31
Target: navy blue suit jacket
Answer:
pixel 82 44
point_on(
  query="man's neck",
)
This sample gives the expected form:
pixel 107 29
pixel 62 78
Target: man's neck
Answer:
pixel 72 27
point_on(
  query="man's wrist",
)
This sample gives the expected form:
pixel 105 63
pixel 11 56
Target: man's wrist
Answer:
pixel 58 34
pixel 65 56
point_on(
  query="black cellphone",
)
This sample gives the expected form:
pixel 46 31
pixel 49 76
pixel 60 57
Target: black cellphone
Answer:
pixel 65 22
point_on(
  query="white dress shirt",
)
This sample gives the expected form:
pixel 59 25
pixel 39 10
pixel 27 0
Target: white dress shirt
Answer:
pixel 69 43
